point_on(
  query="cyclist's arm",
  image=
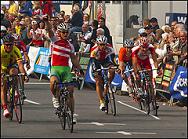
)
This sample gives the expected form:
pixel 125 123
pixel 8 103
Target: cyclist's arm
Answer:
pixel 75 61
pixel 154 57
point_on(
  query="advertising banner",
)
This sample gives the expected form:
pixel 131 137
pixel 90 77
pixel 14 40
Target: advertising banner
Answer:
pixel 41 64
pixel 32 54
pixel 90 79
pixel 179 17
pixel 178 86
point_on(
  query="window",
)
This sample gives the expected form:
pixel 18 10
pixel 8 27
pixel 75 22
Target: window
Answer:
pixel 116 2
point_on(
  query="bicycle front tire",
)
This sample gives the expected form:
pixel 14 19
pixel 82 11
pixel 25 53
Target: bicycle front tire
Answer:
pixel 112 100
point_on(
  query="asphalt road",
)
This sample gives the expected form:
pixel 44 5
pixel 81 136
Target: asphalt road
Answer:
pixel 39 119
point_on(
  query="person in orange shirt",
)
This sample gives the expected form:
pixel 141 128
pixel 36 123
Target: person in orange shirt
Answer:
pixel 125 61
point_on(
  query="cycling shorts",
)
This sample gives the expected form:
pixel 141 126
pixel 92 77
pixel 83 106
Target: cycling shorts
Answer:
pixel 97 65
pixel 63 73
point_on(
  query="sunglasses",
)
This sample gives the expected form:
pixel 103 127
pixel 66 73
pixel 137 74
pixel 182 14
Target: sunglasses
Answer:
pixel 64 32
pixel 8 44
pixel 102 44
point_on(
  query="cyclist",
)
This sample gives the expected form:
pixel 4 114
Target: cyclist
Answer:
pixel 61 51
pixel 125 59
pixel 22 47
pixel 11 61
pixel 141 58
pixel 102 55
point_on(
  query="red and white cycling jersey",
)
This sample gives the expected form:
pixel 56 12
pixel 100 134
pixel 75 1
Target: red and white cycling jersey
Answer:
pixel 143 57
pixel 101 54
pixel 60 52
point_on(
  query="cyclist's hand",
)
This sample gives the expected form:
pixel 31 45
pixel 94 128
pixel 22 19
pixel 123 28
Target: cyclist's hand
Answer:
pixel 28 66
pixel 81 72
pixel 118 71
pixel 26 78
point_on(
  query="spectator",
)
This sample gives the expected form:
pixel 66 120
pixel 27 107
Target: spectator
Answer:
pixel 86 35
pixel 37 9
pixel 183 46
pixel 3 33
pixel 23 33
pixel 173 23
pixel 145 22
pixel 150 34
pixel 100 31
pixel 36 34
pixel 13 9
pixel 5 22
pixel 154 24
pixel 94 26
pixel 46 7
pixel 166 28
pixel 106 30
pixel 76 20
pixel 26 8
pixel 86 18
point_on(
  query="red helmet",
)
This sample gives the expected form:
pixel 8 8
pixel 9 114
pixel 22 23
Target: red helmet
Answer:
pixel 144 42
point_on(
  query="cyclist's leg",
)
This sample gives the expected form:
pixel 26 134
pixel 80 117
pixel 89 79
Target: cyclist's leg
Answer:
pixel 67 76
pixel 3 97
pixel 54 77
pixel 111 74
pixel 99 89
pixel 14 71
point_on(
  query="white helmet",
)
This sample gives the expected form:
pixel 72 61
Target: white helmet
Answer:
pixel 62 27
pixel 102 39
pixel 3 28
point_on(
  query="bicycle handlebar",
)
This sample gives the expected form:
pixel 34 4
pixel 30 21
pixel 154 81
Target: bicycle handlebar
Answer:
pixel 145 70
pixel 113 67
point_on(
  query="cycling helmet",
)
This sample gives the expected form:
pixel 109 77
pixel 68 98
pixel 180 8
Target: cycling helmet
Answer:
pixel 144 42
pixel 16 37
pixel 3 28
pixel 62 27
pixel 102 39
pixel 8 38
pixel 128 43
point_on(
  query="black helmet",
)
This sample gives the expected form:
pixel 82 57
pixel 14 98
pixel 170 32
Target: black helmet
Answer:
pixel 8 38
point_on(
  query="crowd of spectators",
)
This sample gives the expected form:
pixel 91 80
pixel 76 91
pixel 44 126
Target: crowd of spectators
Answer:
pixel 36 23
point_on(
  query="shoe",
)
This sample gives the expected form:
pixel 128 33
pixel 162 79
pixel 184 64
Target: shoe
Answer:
pixel 102 106
pixel 6 113
pixel 74 119
pixel 16 94
pixel 55 102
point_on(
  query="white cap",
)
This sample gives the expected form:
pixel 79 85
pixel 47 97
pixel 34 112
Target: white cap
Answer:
pixel 3 28
pixel 33 22
pixel 141 30
pixel 2 12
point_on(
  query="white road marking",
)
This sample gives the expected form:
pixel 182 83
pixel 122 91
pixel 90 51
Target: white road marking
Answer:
pixel 138 109
pixel 127 133
pixel 33 102
pixel 124 133
pixel 36 83
pixel 102 124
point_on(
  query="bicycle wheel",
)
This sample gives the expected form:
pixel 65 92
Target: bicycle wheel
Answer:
pixel 18 108
pixel 69 116
pixel 11 100
pixel 21 89
pixel 154 104
pixel 62 112
pixel 106 100
pixel 112 100
pixel 146 102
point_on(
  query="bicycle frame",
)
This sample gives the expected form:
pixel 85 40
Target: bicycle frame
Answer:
pixel 65 112
pixel 109 97
pixel 13 102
